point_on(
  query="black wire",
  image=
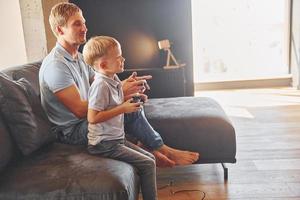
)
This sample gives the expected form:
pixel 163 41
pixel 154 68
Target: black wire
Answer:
pixel 178 191
pixel 170 184
pixel 163 187
pixel 167 185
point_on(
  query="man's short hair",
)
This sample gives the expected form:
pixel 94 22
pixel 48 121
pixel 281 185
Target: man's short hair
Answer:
pixel 60 13
pixel 96 47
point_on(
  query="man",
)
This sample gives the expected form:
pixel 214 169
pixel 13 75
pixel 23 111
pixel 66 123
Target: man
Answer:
pixel 64 82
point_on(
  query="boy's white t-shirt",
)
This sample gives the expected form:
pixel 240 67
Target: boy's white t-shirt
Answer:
pixel 105 93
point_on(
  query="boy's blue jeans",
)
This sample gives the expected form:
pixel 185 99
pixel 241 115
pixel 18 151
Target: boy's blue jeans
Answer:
pixel 143 161
pixel 136 125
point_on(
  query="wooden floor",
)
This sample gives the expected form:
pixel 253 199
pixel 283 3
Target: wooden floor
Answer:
pixel 267 123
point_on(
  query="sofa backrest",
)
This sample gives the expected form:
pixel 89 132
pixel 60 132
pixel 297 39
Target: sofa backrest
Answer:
pixel 8 149
pixel 28 71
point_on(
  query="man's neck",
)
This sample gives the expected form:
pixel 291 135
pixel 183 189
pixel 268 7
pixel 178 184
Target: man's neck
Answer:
pixel 72 49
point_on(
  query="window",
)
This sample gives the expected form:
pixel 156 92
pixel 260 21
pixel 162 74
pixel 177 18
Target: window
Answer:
pixel 240 39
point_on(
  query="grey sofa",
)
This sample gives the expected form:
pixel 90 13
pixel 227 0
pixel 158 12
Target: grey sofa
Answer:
pixel 34 166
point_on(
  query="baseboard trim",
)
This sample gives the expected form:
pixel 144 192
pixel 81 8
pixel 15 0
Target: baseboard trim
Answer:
pixel 284 81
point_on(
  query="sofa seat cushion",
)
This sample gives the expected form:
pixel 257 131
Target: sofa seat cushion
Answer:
pixel 60 171
pixel 196 124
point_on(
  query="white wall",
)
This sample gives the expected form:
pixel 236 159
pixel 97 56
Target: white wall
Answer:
pixel 295 50
pixel 12 43
pixel 34 29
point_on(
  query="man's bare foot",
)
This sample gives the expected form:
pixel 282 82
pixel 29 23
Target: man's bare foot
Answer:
pixel 162 160
pixel 178 156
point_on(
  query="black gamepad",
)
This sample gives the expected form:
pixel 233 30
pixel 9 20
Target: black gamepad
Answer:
pixel 137 99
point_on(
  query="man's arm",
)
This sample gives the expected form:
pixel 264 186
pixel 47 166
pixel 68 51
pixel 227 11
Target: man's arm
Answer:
pixel 71 99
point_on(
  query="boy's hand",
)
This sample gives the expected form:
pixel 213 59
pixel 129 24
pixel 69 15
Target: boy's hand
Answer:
pixel 129 107
pixel 135 84
pixel 144 98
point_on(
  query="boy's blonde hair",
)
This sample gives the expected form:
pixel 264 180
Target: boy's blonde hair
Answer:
pixel 60 13
pixel 96 47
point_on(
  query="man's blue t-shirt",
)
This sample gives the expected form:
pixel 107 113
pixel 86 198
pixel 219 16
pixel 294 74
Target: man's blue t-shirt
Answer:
pixel 59 71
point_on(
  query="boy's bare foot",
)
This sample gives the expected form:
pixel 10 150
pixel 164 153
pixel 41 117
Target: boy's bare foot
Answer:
pixel 178 156
pixel 162 160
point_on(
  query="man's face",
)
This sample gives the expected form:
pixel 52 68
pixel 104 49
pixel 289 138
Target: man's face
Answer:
pixel 115 60
pixel 74 32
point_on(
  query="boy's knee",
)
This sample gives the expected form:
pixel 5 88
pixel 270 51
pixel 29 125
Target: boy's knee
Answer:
pixel 151 163
pixel 152 156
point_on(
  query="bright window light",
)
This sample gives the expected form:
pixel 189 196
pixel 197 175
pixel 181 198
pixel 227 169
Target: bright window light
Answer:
pixel 240 39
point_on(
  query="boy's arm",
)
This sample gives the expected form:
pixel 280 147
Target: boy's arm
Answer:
pixel 95 116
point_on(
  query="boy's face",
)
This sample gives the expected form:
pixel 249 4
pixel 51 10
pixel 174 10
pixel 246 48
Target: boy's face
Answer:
pixel 74 32
pixel 114 60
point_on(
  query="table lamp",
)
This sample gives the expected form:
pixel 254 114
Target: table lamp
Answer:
pixel 166 45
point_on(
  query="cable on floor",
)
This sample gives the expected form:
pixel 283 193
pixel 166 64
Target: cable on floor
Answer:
pixel 170 184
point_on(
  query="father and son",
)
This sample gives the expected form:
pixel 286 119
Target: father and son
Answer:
pixel 88 104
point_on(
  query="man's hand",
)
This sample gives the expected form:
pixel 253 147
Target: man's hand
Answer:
pixel 135 84
pixel 144 98
pixel 135 77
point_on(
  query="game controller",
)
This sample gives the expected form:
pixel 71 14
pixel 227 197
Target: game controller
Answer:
pixel 137 99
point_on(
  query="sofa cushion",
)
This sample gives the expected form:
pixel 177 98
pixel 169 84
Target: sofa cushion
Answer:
pixel 27 125
pixel 195 124
pixel 6 145
pixel 60 171
pixel 28 71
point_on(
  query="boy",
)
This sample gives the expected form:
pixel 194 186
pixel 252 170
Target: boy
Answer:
pixel 106 108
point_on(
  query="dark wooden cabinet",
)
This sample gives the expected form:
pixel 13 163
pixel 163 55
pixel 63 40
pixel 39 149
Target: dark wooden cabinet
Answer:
pixel 164 82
